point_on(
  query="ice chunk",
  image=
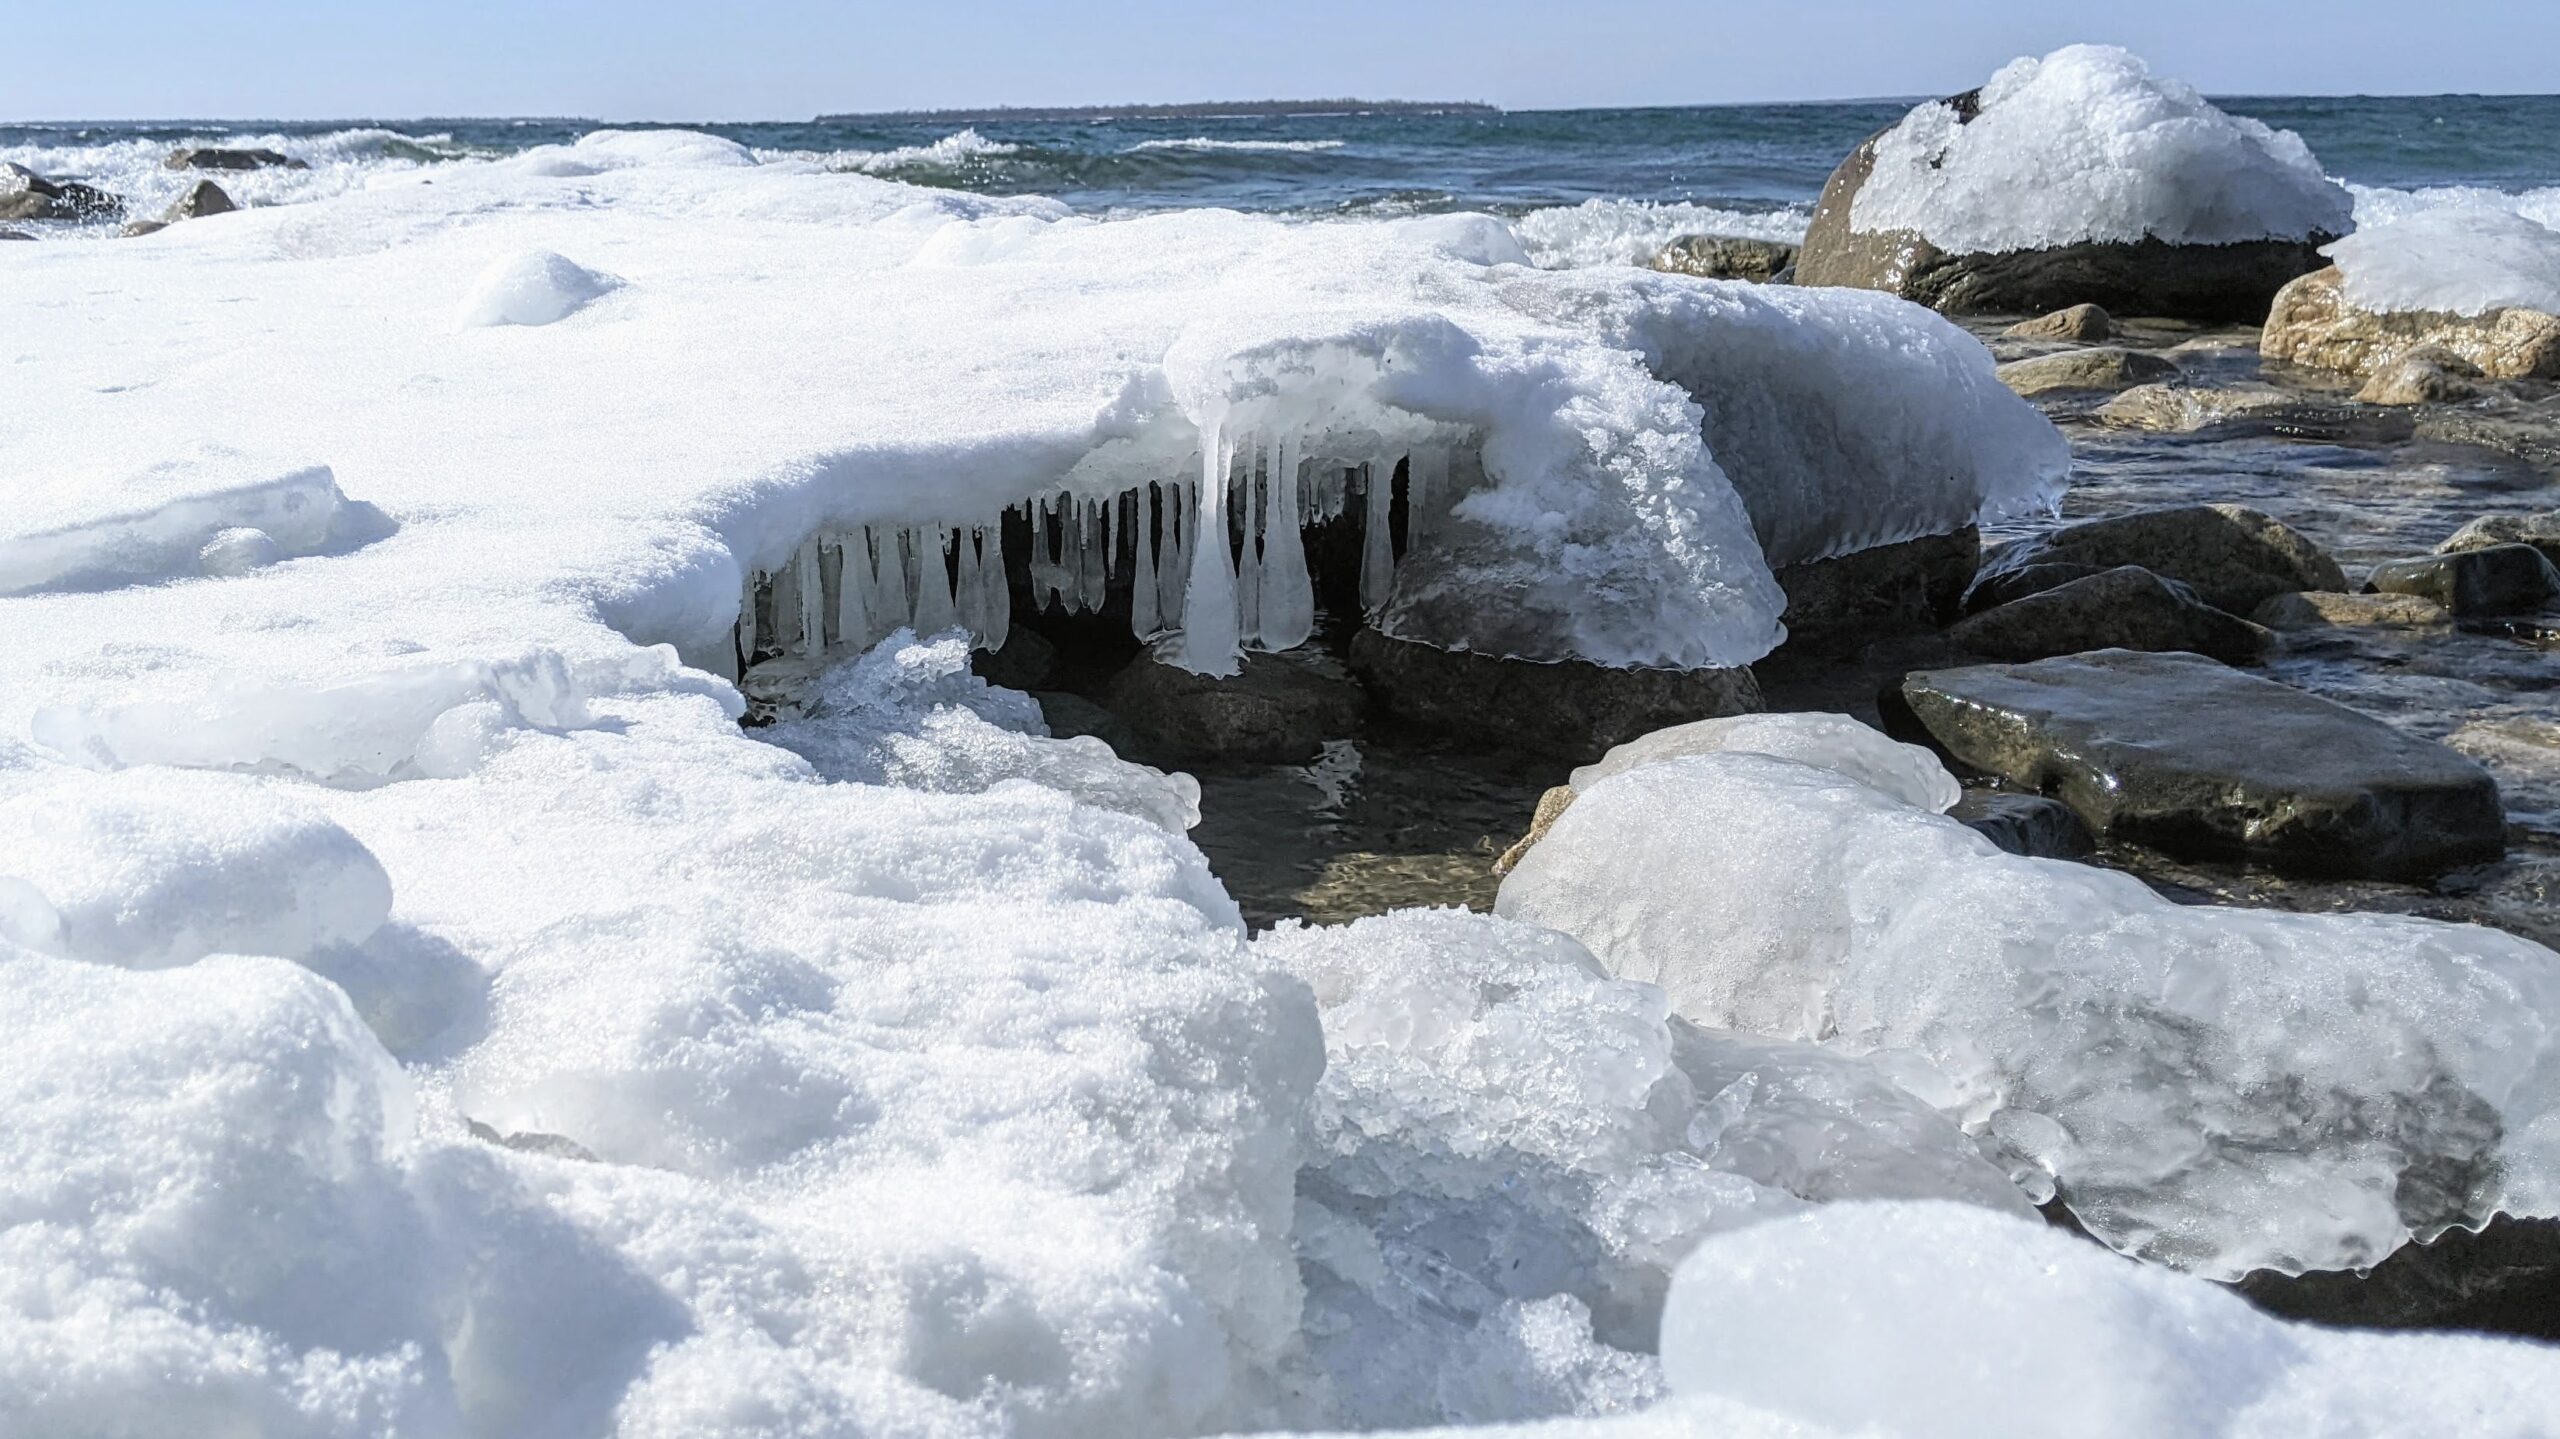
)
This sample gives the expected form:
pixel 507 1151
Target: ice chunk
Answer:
pixel 212 511
pixel 1829 741
pixel 536 287
pixel 2087 144
pixel 1938 1321
pixel 2458 260
pixel 237 551
pixel 2219 1089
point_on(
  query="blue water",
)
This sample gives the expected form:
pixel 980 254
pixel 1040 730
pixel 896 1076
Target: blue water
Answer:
pixel 1758 158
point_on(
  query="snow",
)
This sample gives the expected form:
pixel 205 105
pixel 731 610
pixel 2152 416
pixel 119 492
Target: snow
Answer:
pixel 1826 741
pixel 2219 1089
pixel 2453 259
pixel 203 509
pixel 2086 144
pixel 536 287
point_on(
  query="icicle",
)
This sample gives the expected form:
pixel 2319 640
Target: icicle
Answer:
pixel 854 586
pixel 969 595
pixel 1426 481
pixel 1173 570
pixel 891 608
pixel 934 610
pixel 1095 579
pixel 1143 607
pixel 1249 559
pixel 1377 545
pixel 1209 604
pixel 747 624
pixel 1288 596
pixel 996 594
pixel 813 599
pixel 784 616
pixel 1110 535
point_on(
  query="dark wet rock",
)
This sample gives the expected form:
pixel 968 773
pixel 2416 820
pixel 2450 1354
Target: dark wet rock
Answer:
pixel 1027 662
pixel 1281 708
pixel 2323 610
pixel 26 195
pixel 1890 589
pixel 2127 607
pixel 553 1146
pixel 2432 375
pixel 2542 531
pixel 1995 587
pixel 1572 712
pixel 2502 1279
pixel 2199 760
pixel 205 198
pixel 1726 257
pixel 2496 580
pixel 2235 557
pixel 2028 824
pixel 2313 323
pixel 2102 367
pixel 2077 324
pixel 2147 277
pixel 210 157
pixel 1069 716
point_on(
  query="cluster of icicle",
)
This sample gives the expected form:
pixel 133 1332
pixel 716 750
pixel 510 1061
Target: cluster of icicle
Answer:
pixel 1210 603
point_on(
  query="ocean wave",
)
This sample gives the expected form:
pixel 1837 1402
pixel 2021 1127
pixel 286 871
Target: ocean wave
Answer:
pixel 1203 142
pixel 2376 204
pixel 948 153
pixel 1631 232
pixel 135 167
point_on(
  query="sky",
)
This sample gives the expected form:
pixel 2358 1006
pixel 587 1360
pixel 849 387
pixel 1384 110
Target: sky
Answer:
pixel 791 59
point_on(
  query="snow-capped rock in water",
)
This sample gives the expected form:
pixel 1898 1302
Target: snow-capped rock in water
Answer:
pixel 2220 1089
pixel 2479 282
pixel 2078 178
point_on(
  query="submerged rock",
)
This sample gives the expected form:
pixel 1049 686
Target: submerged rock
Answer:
pixel 2228 554
pixel 2182 408
pixel 2000 586
pixel 2431 375
pixel 1571 710
pixel 1890 589
pixel 2323 609
pixel 1279 708
pixel 2127 607
pixel 2199 760
pixel 2235 557
pixel 2542 531
pixel 2493 580
pixel 2313 323
pixel 2105 367
pixel 212 157
pixel 1726 257
pixel 2029 824
pixel 2079 324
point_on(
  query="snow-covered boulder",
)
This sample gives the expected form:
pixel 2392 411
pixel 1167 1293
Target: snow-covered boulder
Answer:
pixel 2480 283
pixel 2079 178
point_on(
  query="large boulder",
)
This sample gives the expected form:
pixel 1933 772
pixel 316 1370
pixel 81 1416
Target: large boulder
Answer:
pixel 2199 760
pixel 26 195
pixel 1849 600
pixel 214 157
pixel 2313 322
pixel 1572 711
pixel 2492 580
pixel 2076 179
pixel 2542 531
pixel 2235 557
pixel 1726 257
pixel 1279 708
pixel 2127 607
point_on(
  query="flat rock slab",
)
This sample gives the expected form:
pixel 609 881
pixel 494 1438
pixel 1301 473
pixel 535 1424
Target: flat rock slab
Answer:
pixel 2202 761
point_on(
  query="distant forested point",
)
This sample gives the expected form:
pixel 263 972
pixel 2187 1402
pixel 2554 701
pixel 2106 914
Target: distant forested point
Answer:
pixel 1204 110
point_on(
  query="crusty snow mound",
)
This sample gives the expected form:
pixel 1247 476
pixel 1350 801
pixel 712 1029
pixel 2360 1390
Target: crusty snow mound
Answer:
pixel 536 287
pixel 2220 1089
pixel 2454 260
pixel 2087 144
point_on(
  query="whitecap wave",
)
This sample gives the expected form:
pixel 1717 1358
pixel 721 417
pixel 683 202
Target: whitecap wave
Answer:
pixel 951 150
pixel 1631 232
pixel 135 168
pixel 2379 204
pixel 1203 142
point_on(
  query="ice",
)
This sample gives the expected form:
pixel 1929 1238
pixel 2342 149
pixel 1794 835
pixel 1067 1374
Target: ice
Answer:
pixel 1938 1321
pixel 210 511
pixel 1828 741
pixel 536 287
pixel 1288 601
pixel 2219 1089
pixel 2459 260
pixel 1209 610
pixel 1512 1150
pixel 2087 144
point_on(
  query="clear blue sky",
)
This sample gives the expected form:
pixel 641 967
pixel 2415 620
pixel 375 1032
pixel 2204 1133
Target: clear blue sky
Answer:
pixel 789 59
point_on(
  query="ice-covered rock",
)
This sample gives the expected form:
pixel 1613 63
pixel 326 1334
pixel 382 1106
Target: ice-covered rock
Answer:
pixel 2223 1090
pixel 1832 741
pixel 2483 283
pixel 2078 178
